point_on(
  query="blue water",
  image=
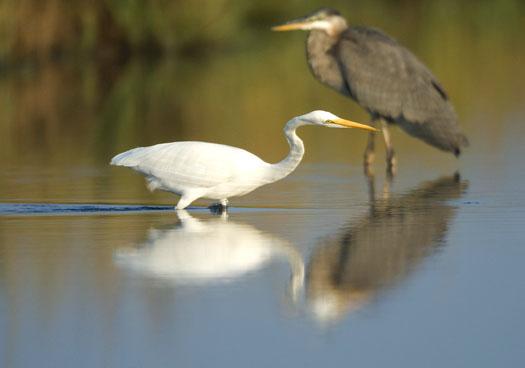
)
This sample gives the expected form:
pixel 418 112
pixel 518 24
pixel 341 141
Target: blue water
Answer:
pixel 428 273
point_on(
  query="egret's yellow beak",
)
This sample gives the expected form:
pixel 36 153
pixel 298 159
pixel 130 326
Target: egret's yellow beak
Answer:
pixel 290 26
pixel 353 124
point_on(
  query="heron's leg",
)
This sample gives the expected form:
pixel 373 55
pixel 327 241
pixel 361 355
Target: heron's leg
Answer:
pixel 387 185
pixel 391 161
pixel 369 155
pixel 370 181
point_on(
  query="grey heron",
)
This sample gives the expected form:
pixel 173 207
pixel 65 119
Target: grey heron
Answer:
pixel 383 77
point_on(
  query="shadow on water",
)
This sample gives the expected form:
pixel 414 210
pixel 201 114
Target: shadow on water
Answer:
pixel 347 271
pixel 204 252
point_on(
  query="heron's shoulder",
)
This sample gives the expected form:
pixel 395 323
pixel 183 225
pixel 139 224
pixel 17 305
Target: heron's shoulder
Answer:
pixel 368 34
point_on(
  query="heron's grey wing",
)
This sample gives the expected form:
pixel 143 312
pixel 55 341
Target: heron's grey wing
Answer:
pixel 389 81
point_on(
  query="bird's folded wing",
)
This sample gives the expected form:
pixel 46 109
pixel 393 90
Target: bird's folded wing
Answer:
pixel 194 164
pixel 389 81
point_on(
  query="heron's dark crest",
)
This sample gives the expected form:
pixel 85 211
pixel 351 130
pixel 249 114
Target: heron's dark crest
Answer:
pixel 323 13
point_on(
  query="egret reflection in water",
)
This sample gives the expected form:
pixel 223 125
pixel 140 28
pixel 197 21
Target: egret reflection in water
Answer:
pixel 348 270
pixel 203 252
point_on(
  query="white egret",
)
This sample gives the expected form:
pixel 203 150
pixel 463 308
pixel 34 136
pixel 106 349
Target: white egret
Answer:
pixel 207 170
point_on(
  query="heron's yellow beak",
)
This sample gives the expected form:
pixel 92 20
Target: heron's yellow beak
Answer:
pixel 289 26
pixel 353 124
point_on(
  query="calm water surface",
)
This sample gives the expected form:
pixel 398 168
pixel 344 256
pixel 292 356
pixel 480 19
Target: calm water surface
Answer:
pixel 325 268
pixel 426 272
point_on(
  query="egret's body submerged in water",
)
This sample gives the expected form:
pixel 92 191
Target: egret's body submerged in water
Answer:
pixel 207 170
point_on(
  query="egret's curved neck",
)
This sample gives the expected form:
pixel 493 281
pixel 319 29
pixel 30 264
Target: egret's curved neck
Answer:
pixel 297 268
pixel 286 166
pixel 298 274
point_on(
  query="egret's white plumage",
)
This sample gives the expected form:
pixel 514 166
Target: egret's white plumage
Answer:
pixel 209 170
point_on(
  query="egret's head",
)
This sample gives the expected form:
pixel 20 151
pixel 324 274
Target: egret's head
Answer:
pixel 325 19
pixel 329 120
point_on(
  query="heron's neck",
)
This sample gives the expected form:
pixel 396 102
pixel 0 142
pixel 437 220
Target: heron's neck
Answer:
pixel 322 55
pixel 286 166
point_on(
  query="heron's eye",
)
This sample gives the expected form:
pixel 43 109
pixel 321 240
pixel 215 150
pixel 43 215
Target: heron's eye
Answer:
pixel 329 121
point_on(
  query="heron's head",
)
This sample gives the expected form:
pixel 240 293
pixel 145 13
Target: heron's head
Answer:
pixel 325 19
pixel 329 120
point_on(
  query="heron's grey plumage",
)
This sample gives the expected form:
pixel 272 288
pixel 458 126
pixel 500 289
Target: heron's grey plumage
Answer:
pixel 386 79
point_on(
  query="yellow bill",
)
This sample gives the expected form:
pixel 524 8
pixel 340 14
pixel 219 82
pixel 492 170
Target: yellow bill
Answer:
pixel 353 124
pixel 289 27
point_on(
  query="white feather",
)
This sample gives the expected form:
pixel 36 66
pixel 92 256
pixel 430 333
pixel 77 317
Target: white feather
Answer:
pixel 180 167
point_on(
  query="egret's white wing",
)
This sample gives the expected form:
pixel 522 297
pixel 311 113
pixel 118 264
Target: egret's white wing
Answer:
pixel 189 164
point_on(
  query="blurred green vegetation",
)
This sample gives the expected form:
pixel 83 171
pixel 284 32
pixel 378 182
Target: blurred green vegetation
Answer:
pixel 83 80
pixel 36 31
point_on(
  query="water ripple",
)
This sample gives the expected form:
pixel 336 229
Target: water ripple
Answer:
pixel 73 208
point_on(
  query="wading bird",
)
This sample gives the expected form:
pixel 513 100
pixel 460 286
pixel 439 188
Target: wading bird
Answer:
pixel 207 170
pixel 383 77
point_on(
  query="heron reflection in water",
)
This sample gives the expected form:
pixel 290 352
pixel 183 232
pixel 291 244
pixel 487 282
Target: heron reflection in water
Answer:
pixel 348 270
pixel 217 250
pixel 383 77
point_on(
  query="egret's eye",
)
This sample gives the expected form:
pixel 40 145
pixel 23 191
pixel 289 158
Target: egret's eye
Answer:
pixel 329 121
